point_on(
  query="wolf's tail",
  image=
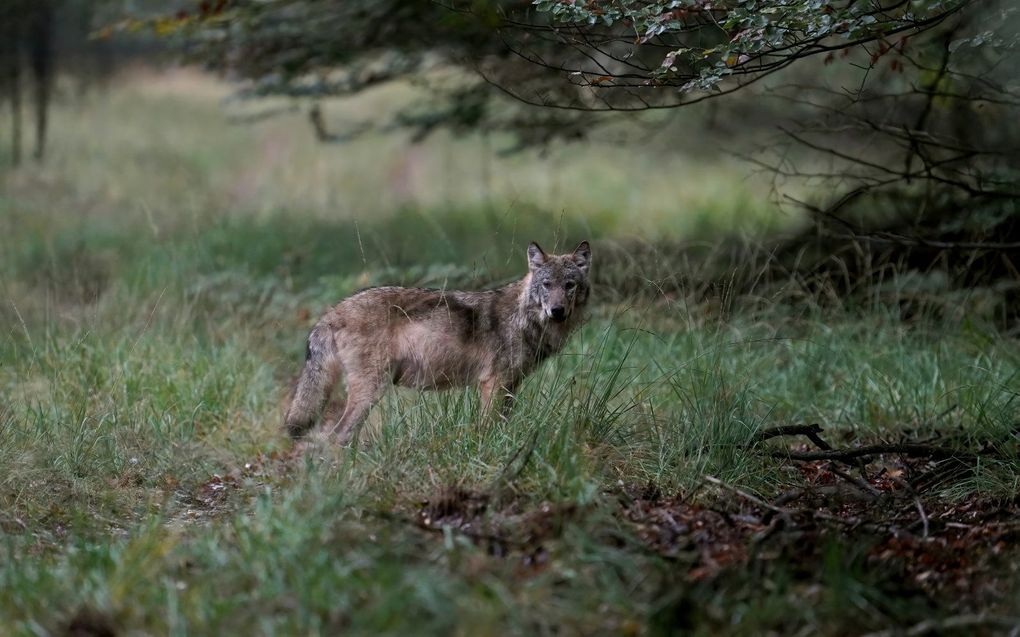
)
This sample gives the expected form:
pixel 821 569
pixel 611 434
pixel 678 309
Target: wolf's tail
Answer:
pixel 322 364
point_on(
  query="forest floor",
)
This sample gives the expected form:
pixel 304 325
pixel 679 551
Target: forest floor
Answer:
pixel 690 464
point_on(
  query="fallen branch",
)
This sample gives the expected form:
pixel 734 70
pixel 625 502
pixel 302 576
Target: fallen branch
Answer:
pixel 857 482
pixel 907 449
pixel 811 431
pixel 889 238
pixel 826 452
pixel 936 626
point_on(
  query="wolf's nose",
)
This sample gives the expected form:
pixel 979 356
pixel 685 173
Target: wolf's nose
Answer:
pixel 558 313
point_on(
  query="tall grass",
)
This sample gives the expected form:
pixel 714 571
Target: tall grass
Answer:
pixel 155 319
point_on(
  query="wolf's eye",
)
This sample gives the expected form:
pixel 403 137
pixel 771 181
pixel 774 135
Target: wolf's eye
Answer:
pixel 546 284
pixel 570 285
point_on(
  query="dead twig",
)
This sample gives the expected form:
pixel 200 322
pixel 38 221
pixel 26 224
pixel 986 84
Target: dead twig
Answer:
pixel 857 482
pixel 785 513
pixel 917 504
pixel 905 449
pixel 827 452
pixel 789 496
pixel 924 517
pixel 890 238
pixel 811 431
pixel 936 626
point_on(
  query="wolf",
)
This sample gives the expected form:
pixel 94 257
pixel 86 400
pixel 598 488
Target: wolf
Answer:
pixel 437 339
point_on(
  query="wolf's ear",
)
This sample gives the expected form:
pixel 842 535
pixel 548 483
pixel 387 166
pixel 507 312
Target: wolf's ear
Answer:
pixel 582 256
pixel 536 257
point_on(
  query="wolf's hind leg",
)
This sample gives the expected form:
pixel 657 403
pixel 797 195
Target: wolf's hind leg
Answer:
pixel 362 395
pixel 322 367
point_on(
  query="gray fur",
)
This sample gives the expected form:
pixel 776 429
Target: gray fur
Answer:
pixel 437 339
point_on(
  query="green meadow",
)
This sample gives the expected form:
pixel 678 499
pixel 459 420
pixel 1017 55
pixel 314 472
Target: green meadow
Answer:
pixel 160 272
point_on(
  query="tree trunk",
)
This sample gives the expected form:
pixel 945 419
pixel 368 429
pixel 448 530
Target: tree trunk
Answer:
pixel 40 46
pixel 13 71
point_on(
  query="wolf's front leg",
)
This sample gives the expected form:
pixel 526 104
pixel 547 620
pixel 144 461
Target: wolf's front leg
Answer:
pixel 497 397
pixel 362 395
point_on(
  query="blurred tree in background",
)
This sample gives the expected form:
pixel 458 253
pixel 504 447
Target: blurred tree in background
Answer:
pixel 26 40
pixel 40 39
pixel 898 114
pixel 903 111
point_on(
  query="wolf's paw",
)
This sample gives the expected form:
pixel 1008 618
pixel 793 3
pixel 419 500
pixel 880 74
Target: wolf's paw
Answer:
pixel 314 443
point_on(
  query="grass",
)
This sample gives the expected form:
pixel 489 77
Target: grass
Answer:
pixel 157 291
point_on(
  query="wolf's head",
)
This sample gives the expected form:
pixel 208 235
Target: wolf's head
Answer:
pixel 559 282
